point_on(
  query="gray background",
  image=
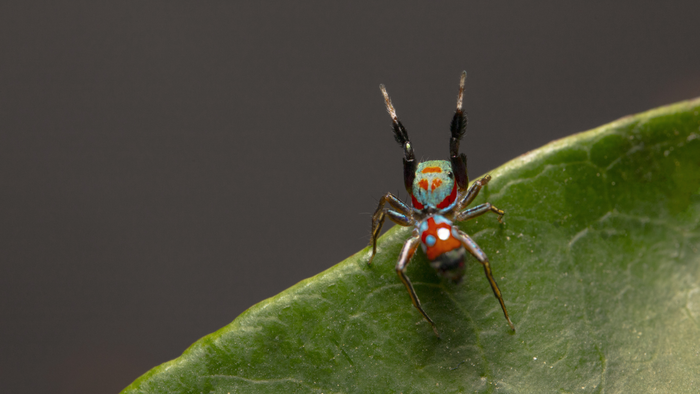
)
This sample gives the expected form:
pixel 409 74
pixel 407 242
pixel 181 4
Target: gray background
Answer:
pixel 166 165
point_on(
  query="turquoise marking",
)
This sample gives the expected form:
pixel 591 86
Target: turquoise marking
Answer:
pixel 430 241
pixel 424 226
pixel 441 219
pixel 432 197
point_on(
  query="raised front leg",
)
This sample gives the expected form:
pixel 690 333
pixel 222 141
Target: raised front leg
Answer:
pixel 476 251
pixel 401 137
pixel 402 217
pixel 408 250
pixel 458 127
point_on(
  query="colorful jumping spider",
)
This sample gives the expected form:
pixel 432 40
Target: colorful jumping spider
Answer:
pixel 439 193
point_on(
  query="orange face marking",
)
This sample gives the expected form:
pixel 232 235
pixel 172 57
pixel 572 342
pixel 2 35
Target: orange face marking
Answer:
pixel 431 169
pixel 423 184
pixel 436 184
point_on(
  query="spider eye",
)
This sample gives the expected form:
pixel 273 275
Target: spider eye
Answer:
pixel 450 174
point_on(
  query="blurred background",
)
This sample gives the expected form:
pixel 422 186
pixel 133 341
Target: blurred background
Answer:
pixel 165 165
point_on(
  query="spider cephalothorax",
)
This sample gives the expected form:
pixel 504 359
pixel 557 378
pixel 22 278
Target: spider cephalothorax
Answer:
pixel 440 194
pixel 434 185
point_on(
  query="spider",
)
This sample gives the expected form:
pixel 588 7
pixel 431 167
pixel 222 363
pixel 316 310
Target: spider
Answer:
pixel 440 192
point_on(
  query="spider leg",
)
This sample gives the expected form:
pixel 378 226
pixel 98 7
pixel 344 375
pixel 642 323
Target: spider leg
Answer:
pixel 476 251
pixel 402 216
pixel 409 248
pixel 478 211
pixel 473 191
pixel 458 127
pixel 401 137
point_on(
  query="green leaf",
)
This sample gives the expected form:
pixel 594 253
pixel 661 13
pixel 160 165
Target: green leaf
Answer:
pixel 598 263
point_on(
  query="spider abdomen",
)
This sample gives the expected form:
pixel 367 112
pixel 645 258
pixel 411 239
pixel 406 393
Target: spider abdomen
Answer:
pixel 442 247
pixel 450 265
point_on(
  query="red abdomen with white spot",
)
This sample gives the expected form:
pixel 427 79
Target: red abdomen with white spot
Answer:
pixel 441 245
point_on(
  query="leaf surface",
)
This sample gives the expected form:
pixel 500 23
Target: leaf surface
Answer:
pixel 598 262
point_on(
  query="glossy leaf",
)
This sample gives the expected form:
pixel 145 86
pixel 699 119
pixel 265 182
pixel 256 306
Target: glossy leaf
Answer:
pixel 598 261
